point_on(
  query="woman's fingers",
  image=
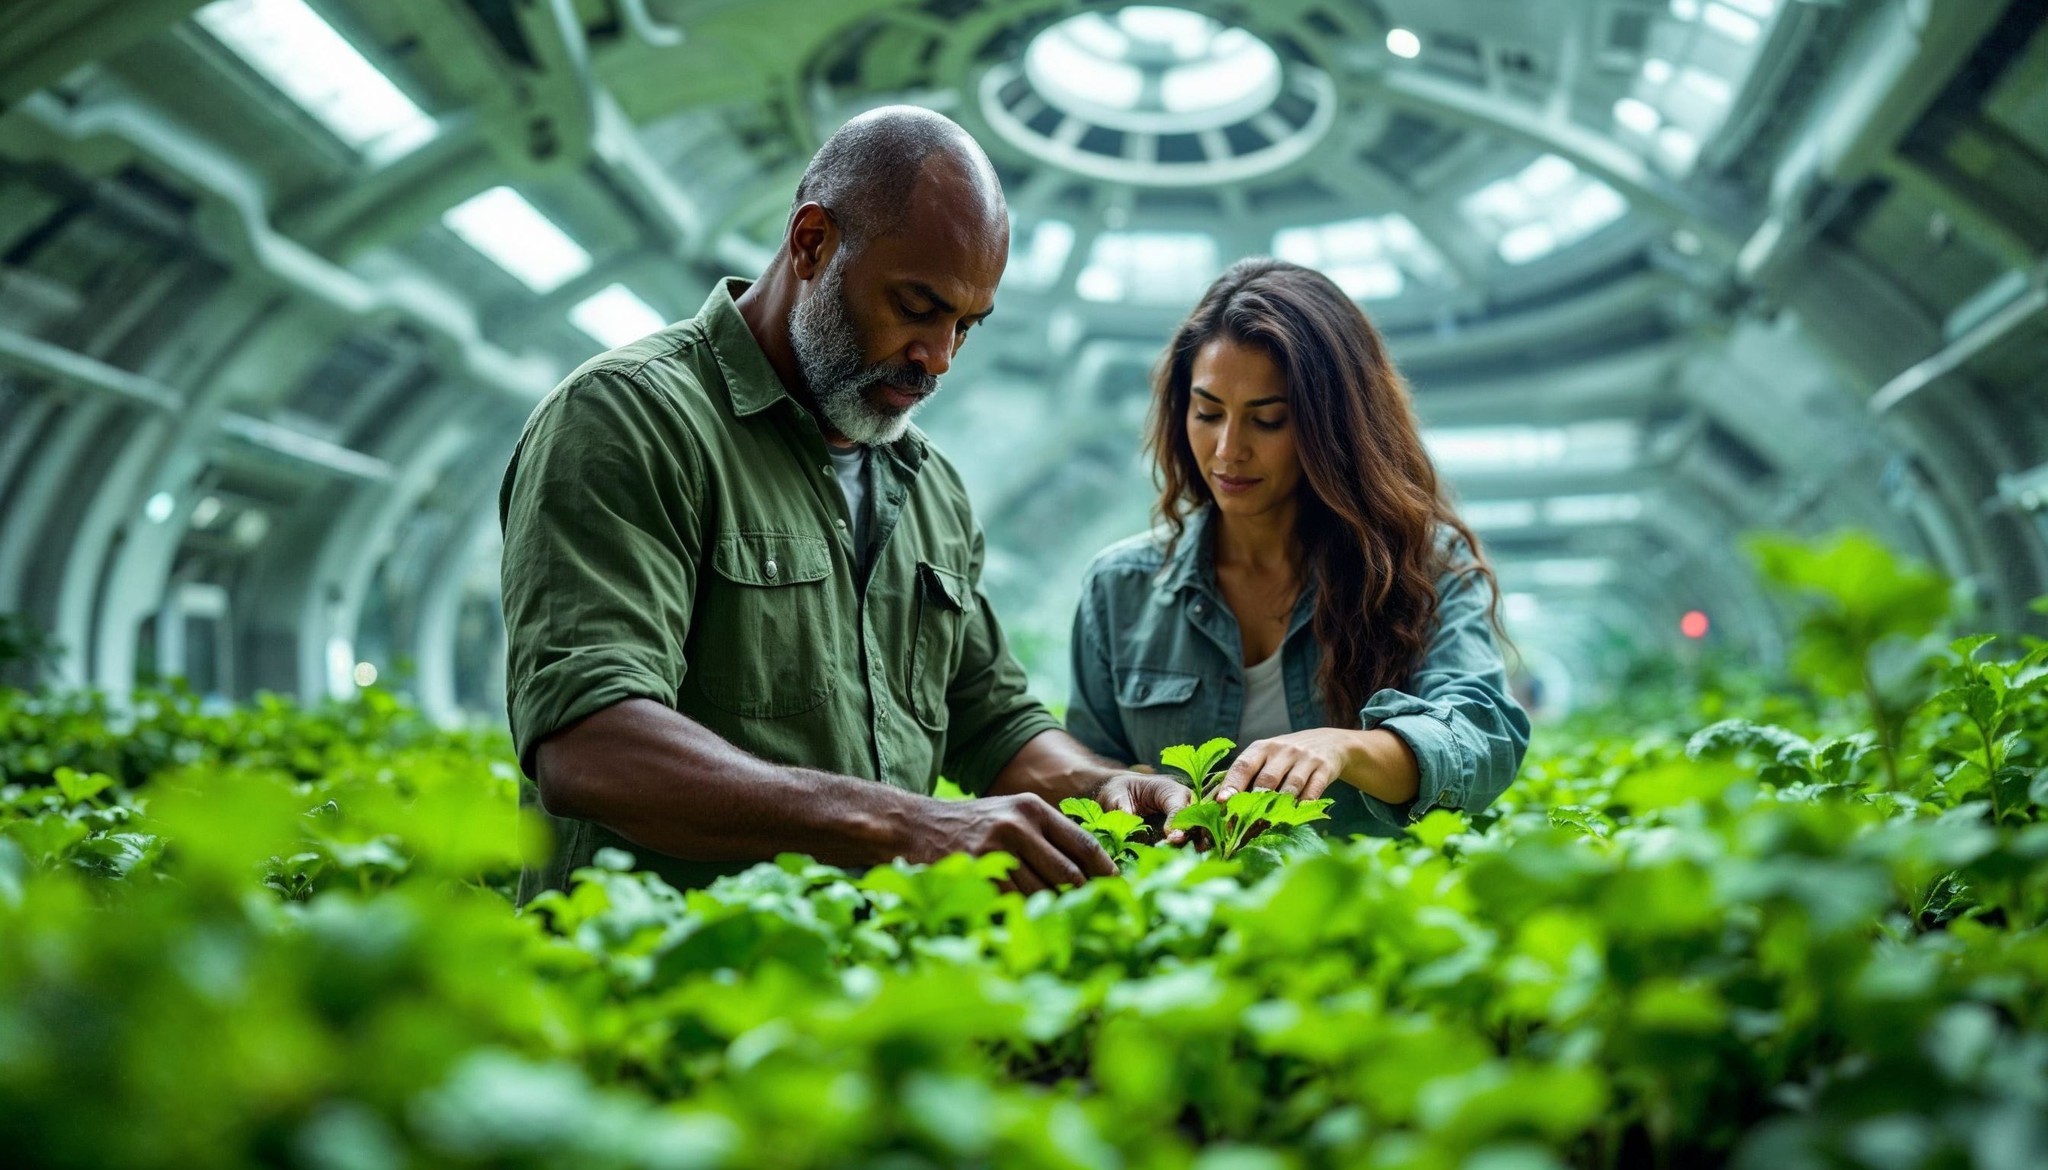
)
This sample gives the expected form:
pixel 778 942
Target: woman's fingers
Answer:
pixel 1295 783
pixel 1244 770
pixel 1319 783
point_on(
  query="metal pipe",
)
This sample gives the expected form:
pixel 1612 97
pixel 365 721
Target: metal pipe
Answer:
pixel 634 15
pixel 1973 341
pixel 233 209
pixel 71 368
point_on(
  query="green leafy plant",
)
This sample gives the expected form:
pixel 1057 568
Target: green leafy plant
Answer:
pixel 1275 820
pixel 1113 828
pixel 1199 763
pixel 1861 614
pixel 279 935
pixel 1990 709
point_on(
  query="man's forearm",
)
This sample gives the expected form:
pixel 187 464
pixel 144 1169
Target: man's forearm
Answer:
pixel 1053 765
pixel 668 784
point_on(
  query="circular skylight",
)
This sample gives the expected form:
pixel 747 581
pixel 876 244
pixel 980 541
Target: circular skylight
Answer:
pixel 1160 96
pixel 1149 68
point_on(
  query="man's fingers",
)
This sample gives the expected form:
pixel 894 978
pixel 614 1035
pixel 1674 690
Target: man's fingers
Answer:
pixel 1071 849
pixel 1024 881
pixel 1117 798
pixel 1170 797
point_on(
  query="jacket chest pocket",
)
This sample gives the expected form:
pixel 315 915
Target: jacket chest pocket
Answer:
pixel 942 601
pixel 762 634
pixel 1159 710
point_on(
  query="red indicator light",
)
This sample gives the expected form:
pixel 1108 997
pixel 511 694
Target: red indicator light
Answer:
pixel 1694 624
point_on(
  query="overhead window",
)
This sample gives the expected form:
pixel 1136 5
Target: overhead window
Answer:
pixel 1547 205
pixel 1370 259
pixel 1148 267
pixel 502 225
pixel 303 56
pixel 1036 262
pixel 616 315
pixel 1606 445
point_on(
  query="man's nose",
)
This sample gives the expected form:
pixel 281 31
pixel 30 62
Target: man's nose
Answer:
pixel 934 360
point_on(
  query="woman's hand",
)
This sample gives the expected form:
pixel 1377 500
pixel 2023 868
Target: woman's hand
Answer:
pixel 1306 763
pixel 1301 764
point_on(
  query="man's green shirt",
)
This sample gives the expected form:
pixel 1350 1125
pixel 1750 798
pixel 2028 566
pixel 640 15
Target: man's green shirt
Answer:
pixel 674 531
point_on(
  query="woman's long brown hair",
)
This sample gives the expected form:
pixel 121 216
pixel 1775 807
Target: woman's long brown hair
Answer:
pixel 1370 506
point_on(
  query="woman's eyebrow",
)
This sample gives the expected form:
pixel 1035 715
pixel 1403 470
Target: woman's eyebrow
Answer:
pixel 1252 405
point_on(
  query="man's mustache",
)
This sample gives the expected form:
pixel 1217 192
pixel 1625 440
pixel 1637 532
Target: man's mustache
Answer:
pixel 908 379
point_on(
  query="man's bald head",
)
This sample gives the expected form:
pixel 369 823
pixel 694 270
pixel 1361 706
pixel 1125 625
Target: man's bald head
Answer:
pixel 879 168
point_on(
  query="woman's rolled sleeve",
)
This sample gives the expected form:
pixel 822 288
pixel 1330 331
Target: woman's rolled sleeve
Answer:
pixel 1467 732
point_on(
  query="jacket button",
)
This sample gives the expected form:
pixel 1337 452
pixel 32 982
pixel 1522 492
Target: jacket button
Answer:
pixel 1198 607
pixel 769 568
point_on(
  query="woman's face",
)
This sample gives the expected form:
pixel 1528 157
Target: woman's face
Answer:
pixel 1241 429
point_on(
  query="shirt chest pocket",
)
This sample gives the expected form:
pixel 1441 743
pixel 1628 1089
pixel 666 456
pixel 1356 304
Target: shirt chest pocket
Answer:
pixel 942 602
pixel 1159 710
pixel 762 638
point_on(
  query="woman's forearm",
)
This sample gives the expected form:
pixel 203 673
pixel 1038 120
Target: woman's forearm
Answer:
pixel 1380 763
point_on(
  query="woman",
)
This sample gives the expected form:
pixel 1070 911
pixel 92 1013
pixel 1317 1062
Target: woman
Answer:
pixel 1310 593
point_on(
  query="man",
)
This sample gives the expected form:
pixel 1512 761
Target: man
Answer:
pixel 741 589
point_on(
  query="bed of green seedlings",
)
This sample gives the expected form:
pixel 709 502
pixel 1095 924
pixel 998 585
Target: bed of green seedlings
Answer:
pixel 1775 930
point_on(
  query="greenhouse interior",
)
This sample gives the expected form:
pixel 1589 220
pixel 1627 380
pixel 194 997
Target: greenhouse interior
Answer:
pixel 1475 598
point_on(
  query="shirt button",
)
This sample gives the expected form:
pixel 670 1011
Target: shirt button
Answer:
pixel 1198 607
pixel 769 568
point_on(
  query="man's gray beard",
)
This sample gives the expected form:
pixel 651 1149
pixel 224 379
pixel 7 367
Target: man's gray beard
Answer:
pixel 828 352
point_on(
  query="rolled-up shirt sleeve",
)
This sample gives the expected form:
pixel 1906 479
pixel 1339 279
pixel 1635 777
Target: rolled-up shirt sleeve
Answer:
pixel 600 513
pixel 990 713
pixel 1467 731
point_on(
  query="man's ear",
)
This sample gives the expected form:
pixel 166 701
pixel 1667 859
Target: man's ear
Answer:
pixel 812 237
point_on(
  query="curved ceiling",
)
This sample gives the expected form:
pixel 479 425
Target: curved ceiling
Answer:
pixel 280 279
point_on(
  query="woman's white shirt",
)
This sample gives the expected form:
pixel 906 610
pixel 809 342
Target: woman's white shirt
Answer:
pixel 1265 702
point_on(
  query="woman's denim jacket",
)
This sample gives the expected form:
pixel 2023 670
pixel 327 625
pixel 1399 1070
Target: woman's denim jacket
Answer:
pixel 1158 661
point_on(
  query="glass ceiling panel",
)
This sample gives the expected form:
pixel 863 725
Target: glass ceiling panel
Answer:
pixel 1370 259
pixel 1149 59
pixel 502 225
pixel 1547 205
pixel 615 316
pixel 304 57
pixel 1683 92
pixel 1148 267
pixel 1607 445
pixel 1037 260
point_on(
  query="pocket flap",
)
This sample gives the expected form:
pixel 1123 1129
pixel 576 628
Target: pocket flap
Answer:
pixel 1156 688
pixel 771 558
pixel 944 586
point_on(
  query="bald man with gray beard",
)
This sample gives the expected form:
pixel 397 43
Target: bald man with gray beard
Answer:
pixel 743 592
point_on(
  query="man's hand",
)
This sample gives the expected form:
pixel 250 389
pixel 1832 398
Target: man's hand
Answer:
pixel 1147 796
pixel 1051 851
